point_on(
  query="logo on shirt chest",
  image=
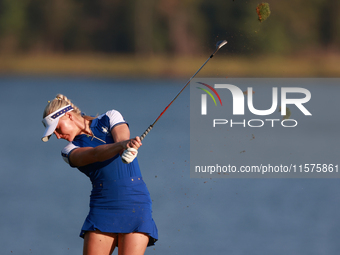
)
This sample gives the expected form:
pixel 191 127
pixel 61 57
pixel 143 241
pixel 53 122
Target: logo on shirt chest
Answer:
pixel 105 130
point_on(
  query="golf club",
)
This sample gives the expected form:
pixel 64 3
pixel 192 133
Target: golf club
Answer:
pixel 219 45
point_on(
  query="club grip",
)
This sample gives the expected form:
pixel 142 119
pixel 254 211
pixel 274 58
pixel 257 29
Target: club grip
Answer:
pixel 146 132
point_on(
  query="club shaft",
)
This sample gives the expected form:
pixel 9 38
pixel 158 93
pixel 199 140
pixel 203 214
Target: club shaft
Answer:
pixel 166 108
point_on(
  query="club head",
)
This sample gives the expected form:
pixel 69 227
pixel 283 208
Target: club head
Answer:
pixel 220 44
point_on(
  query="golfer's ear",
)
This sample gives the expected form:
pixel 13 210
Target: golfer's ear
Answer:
pixel 69 115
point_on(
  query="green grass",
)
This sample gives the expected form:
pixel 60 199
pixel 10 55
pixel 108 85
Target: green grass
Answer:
pixel 162 66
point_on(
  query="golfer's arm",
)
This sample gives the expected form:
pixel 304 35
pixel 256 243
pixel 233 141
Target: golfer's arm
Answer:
pixel 88 155
pixel 120 133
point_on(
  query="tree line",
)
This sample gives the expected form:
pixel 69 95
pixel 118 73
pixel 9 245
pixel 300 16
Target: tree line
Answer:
pixel 179 27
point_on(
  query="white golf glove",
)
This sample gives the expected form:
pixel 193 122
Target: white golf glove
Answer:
pixel 128 156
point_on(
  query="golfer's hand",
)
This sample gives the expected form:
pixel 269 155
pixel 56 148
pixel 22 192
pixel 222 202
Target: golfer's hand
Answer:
pixel 131 152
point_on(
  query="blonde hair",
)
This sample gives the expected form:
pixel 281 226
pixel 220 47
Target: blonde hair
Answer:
pixel 60 101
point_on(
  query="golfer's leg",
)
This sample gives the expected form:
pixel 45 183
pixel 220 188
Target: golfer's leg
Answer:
pixel 132 243
pixel 98 243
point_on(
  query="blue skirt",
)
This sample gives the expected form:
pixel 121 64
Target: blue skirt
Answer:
pixel 121 206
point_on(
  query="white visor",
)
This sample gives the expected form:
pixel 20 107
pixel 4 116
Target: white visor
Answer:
pixel 51 121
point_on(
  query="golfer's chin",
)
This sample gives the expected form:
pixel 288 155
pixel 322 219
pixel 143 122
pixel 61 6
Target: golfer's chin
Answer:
pixel 69 138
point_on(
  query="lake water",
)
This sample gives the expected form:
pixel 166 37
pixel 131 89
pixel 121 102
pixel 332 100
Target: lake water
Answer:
pixel 44 202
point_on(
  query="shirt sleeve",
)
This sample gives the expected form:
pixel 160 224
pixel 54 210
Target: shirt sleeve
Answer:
pixel 65 153
pixel 115 118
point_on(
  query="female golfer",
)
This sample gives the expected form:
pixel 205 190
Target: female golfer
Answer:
pixel 120 204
